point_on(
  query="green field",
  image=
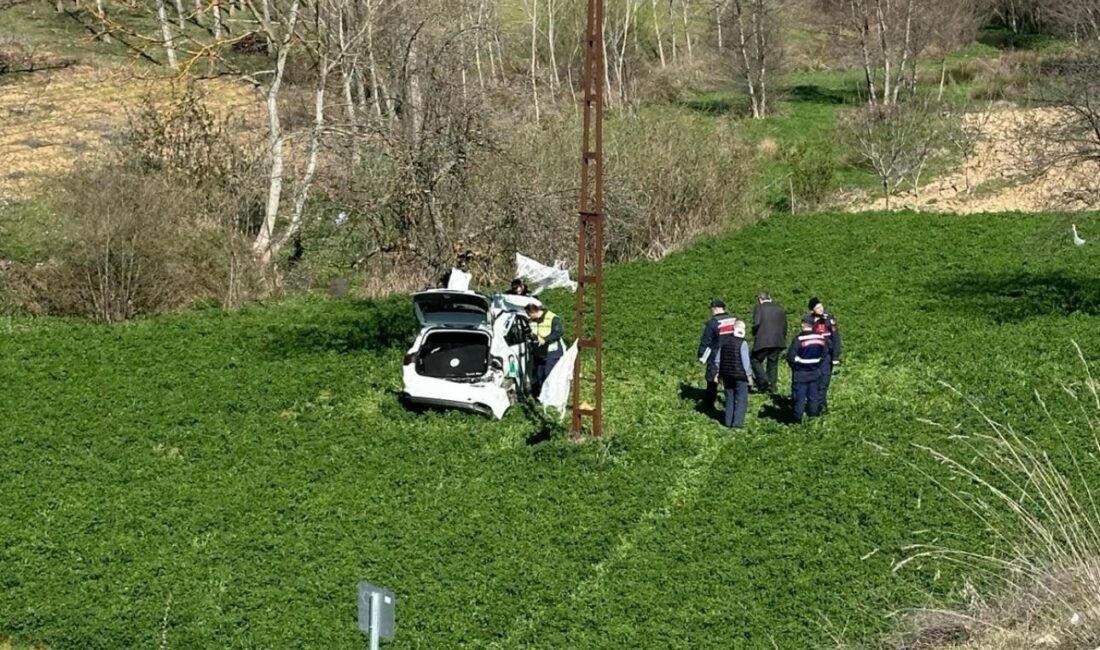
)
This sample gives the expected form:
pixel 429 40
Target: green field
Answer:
pixel 224 480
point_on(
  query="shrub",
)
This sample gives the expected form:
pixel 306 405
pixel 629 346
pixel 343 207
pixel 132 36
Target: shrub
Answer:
pixel 813 175
pixel 139 243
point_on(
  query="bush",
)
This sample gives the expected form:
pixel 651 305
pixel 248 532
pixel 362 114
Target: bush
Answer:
pixel 813 175
pixel 138 243
pixel 669 178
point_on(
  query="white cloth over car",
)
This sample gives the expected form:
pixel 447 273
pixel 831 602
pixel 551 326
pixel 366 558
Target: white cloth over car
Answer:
pixel 540 277
pixel 555 390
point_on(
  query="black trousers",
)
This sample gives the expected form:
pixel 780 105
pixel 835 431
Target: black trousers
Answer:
pixel 710 397
pixel 767 379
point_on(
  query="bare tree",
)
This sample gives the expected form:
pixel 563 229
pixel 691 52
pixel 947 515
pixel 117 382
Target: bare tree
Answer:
pixel 896 141
pixel 889 37
pixel 1077 19
pixel 283 36
pixel 1070 138
pixel 757 51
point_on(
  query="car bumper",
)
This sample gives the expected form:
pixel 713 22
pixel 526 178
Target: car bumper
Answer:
pixel 485 398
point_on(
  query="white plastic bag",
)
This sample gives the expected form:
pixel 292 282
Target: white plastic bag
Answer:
pixel 459 280
pixel 555 390
pixel 540 277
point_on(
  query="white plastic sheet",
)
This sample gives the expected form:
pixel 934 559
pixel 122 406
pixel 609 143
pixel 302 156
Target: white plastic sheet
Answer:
pixel 459 280
pixel 540 277
pixel 555 390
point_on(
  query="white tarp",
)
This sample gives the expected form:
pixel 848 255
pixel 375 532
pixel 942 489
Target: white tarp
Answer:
pixel 555 390
pixel 459 280
pixel 540 277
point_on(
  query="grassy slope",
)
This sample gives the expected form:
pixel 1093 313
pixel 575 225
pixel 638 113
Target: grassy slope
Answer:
pixel 236 475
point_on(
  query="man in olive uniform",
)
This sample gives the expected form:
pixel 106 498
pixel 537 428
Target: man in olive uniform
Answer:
pixel 547 328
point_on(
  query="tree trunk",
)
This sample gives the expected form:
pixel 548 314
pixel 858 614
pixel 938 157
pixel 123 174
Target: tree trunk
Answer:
pixel 743 49
pixel 687 28
pixel 216 10
pixel 657 30
pixel 865 50
pixel 478 34
pixel 166 33
pixel 534 53
pixel 295 224
pixel 276 140
pixel 550 6
pixel 101 13
pixel 181 15
pixel 265 7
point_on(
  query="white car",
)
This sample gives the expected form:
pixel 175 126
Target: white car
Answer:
pixel 473 352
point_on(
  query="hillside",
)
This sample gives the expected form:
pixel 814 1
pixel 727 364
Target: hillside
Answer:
pixel 215 479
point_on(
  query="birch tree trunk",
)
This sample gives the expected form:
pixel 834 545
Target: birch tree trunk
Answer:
pixel 657 31
pixel 216 10
pixel 311 163
pixel 166 34
pixel 276 139
pixel 101 14
pixel 687 28
pixel 550 11
pixel 534 54
pixel 181 15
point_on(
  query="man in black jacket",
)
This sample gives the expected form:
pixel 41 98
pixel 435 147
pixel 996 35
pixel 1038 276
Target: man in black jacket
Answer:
pixel 720 324
pixel 769 340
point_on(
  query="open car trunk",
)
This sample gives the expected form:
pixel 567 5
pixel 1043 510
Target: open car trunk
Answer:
pixel 454 354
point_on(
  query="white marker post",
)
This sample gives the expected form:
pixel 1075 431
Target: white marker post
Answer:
pixel 376 613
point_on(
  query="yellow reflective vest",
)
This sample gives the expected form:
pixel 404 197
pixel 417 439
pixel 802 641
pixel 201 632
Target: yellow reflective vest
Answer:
pixel 543 328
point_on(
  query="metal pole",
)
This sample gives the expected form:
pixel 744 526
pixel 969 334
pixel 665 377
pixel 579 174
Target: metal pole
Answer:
pixel 590 237
pixel 375 619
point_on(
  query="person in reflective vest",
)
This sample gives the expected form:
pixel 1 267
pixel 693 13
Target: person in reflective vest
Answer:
pixel 735 369
pixel 720 324
pixel 805 356
pixel 547 328
pixel 825 325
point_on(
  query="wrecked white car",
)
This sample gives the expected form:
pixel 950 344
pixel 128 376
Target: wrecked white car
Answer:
pixel 474 352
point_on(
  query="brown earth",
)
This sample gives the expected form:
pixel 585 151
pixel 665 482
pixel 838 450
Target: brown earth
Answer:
pixel 51 120
pixel 993 181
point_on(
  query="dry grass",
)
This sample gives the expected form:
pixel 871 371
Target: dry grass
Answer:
pixel 1044 517
pixel 52 120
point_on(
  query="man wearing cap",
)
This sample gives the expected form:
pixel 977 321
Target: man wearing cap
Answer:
pixel 518 288
pixel 825 324
pixel 547 327
pixel 807 354
pixel 720 324
pixel 769 340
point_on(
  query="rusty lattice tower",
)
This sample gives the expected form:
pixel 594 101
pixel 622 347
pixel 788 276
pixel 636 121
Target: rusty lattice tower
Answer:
pixel 588 372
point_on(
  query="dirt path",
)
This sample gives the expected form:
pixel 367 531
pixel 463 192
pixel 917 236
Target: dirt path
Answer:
pixel 49 121
pixel 994 179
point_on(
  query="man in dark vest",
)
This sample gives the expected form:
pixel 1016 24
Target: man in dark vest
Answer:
pixel 736 372
pixel 719 325
pixel 769 340
pixel 825 324
pixel 806 355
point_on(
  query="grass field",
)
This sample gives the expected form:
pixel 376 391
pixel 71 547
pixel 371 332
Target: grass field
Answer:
pixel 224 480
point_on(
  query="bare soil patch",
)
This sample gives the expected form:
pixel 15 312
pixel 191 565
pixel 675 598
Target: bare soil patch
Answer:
pixel 994 180
pixel 51 120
